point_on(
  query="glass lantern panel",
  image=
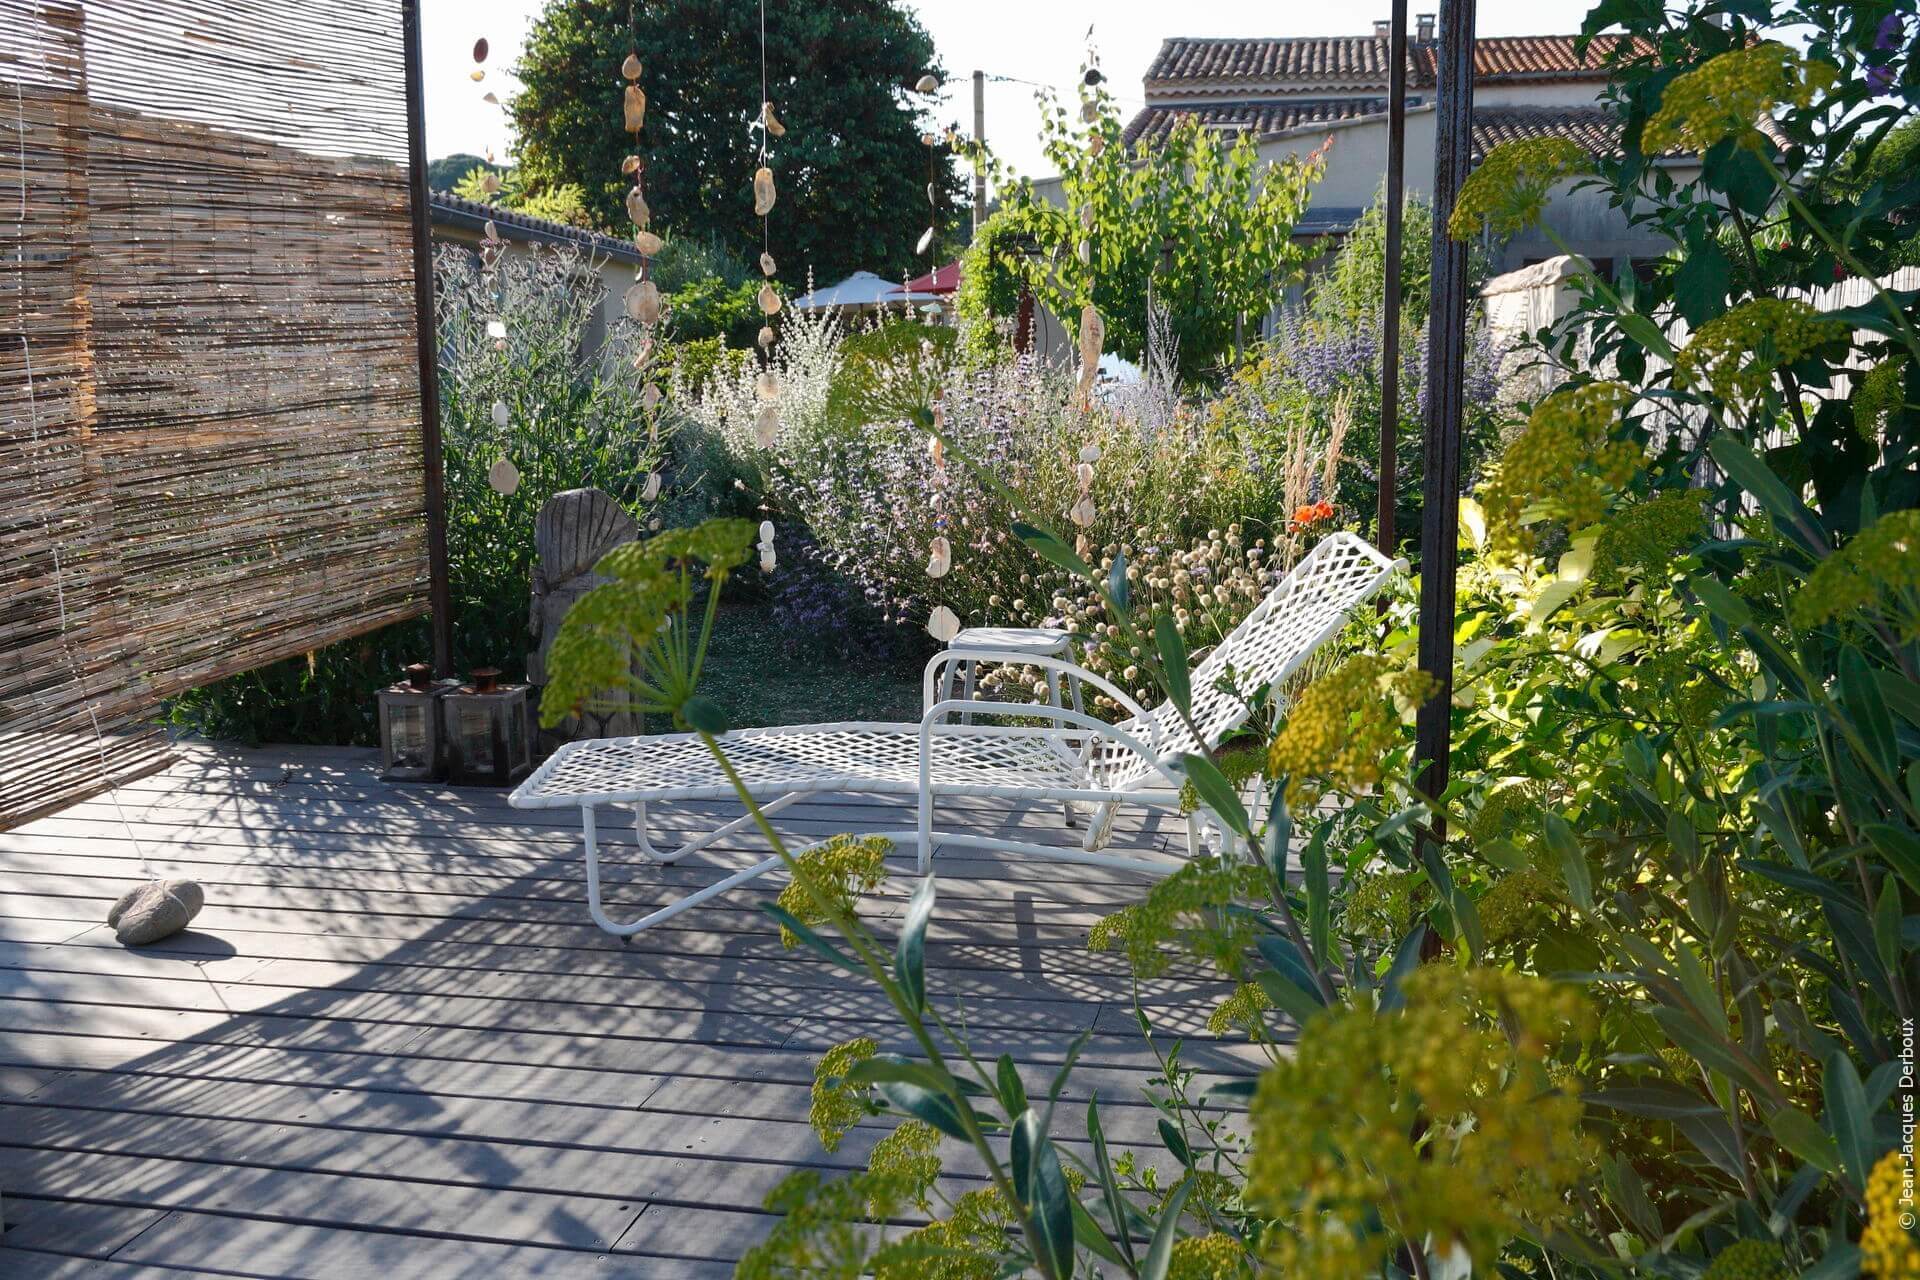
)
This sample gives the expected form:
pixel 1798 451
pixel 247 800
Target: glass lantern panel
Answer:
pixel 476 736
pixel 516 732
pixel 407 745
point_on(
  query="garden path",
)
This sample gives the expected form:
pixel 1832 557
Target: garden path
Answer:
pixel 394 1045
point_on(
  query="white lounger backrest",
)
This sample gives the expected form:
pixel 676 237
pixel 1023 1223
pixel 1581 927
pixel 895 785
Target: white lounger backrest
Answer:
pixel 1304 610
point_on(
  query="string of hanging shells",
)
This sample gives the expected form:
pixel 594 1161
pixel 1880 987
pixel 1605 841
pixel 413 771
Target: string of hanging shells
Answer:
pixel 1093 329
pixel 643 302
pixel 503 477
pixel 942 623
pixel 766 422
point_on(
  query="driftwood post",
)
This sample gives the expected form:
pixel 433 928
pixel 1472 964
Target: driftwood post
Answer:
pixel 573 530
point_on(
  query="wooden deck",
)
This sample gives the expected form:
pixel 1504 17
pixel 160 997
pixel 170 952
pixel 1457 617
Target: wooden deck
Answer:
pixel 393 1044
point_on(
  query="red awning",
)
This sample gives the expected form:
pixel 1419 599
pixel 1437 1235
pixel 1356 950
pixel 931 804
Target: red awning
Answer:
pixel 940 280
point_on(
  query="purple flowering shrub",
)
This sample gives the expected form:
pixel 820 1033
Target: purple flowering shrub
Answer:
pixel 1319 364
pixel 819 614
pixel 875 493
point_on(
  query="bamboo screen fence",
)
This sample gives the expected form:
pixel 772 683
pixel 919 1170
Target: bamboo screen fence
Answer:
pixel 210 436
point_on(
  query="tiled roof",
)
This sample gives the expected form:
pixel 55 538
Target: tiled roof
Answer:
pixel 1347 59
pixel 1154 123
pixel 1361 61
pixel 459 211
pixel 1594 128
pixel 1506 57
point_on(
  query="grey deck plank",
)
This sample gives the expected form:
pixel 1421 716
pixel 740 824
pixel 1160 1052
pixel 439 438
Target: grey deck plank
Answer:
pixel 237 1246
pixel 455 1088
pixel 393 1044
pixel 76 1228
pixel 505 1214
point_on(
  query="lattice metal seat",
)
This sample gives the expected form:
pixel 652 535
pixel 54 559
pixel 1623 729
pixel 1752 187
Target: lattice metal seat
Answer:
pixel 1072 757
pixel 874 758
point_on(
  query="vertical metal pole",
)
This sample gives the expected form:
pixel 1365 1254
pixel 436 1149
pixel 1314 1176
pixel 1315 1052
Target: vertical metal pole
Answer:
pixel 439 587
pixel 1446 362
pixel 979 140
pixel 1390 320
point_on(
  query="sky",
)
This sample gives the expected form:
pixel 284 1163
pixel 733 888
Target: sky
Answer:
pixel 1030 42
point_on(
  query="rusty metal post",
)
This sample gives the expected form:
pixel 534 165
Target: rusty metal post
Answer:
pixel 1395 195
pixel 1446 362
pixel 439 585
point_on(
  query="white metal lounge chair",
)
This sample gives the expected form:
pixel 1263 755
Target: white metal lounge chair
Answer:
pixel 1075 758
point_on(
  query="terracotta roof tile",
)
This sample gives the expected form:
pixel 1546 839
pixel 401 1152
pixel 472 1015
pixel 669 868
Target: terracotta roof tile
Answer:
pixel 1360 58
pixel 1360 61
pixel 1154 123
pixel 1594 128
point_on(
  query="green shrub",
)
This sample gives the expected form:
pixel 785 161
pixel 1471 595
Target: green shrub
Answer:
pixel 987 299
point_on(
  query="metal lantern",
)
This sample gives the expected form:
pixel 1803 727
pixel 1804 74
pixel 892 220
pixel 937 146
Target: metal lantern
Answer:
pixel 410 738
pixel 485 725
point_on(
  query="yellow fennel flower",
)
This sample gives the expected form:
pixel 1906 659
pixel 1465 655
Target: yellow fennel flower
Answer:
pixel 836 1105
pixel 1508 192
pixel 1566 461
pixel 1748 1260
pixel 1736 353
pixel 1888 1249
pixel 1726 95
pixel 1338 1160
pixel 1878 572
pixel 1340 729
pixel 1210 1257
pixel 839 870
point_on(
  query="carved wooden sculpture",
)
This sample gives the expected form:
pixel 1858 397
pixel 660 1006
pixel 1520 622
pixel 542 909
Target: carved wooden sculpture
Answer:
pixel 574 529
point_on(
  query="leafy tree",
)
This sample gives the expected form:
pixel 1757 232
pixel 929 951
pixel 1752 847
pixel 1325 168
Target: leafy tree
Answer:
pixel 566 203
pixel 447 170
pixel 1203 225
pixel 851 169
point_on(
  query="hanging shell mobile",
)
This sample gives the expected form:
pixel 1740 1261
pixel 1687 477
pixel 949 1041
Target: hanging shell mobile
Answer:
pixel 1093 338
pixel 643 302
pixel 504 477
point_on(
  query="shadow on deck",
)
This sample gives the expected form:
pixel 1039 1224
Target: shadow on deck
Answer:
pixel 394 1043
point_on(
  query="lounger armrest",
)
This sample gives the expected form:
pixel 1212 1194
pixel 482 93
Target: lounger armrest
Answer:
pixel 1063 717
pixel 934 674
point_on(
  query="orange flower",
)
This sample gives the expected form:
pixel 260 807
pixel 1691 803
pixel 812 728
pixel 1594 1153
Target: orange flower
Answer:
pixel 1310 514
